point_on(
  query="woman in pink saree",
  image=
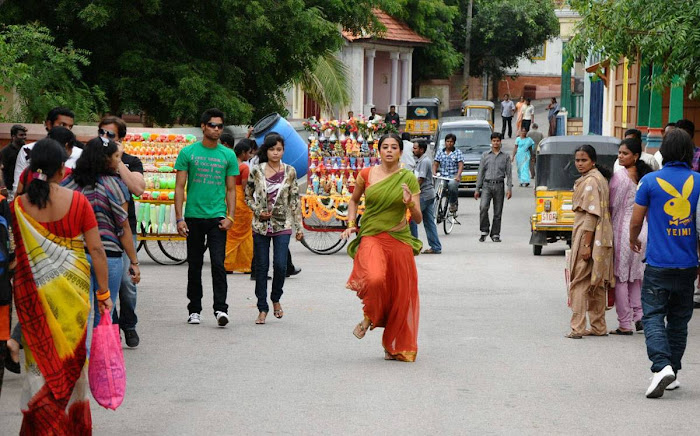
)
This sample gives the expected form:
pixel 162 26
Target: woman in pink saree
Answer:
pixel 629 269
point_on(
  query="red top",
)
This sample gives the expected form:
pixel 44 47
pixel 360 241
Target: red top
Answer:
pixel 79 218
pixel 244 170
pixel 364 172
pixel 27 176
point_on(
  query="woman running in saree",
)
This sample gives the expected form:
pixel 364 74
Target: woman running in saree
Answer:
pixel 521 154
pixel 52 284
pixel 384 272
pixel 591 261
pixel 239 238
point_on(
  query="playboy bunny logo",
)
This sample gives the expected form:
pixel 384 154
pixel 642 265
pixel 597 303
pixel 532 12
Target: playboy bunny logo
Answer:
pixel 678 207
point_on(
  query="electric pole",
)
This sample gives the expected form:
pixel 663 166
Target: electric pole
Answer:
pixel 467 52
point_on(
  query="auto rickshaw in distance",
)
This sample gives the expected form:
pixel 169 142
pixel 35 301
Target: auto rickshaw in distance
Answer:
pixel 555 175
pixel 479 109
pixel 422 116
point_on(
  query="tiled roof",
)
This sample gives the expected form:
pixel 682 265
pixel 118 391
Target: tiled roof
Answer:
pixel 396 31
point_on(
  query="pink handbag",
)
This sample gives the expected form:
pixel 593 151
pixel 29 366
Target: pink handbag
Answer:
pixel 106 371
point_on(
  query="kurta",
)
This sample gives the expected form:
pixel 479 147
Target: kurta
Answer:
pixel 628 264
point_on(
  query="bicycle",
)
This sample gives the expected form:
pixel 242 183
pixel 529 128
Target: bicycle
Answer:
pixel 442 205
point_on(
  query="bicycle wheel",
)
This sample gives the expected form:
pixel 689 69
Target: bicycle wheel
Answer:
pixel 174 250
pixel 443 209
pixel 449 223
pixel 323 237
pixel 158 255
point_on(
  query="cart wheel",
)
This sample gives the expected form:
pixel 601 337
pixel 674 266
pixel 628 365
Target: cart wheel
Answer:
pixel 158 255
pixel 323 237
pixel 536 250
pixel 174 250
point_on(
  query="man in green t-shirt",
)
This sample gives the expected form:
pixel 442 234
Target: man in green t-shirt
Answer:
pixel 208 169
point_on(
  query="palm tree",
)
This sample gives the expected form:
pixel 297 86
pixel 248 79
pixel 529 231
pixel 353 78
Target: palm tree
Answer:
pixel 326 82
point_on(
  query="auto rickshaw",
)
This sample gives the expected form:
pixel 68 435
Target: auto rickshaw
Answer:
pixel 422 115
pixel 479 109
pixel 555 175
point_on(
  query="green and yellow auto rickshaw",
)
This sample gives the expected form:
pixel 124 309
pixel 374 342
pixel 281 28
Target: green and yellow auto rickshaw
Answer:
pixel 422 116
pixel 555 175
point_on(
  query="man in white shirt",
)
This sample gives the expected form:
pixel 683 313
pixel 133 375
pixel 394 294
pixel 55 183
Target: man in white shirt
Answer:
pixel 646 157
pixel 58 116
pixel 407 159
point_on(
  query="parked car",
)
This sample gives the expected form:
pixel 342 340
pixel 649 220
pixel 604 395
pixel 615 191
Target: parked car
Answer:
pixel 473 139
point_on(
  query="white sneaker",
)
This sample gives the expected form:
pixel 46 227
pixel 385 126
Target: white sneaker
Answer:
pixel 660 381
pixel 675 384
pixel 221 318
pixel 194 318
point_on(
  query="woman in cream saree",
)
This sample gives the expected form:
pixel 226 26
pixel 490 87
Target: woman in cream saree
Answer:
pixel 384 273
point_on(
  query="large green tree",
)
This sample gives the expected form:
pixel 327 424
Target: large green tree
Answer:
pixel 503 31
pixel 665 33
pixel 172 59
pixel 43 76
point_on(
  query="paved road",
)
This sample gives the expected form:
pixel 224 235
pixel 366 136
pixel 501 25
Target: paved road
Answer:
pixel 492 356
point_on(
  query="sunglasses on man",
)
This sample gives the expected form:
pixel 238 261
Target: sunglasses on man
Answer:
pixel 103 132
pixel 219 126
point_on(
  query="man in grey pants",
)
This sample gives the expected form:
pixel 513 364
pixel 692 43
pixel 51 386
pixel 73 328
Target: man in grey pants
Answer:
pixel 493 179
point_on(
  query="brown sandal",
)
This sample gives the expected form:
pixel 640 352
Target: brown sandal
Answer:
pixel 279 313
pixel 261 318
pixel 573 335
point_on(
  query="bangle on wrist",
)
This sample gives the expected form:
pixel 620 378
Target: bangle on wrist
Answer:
pixel 352 224
pixel 135 263
pixel 229 217
pixel 103 296
pixel 411 204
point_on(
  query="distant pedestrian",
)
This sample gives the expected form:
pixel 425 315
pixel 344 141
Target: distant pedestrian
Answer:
pixel 272 194
pixel 384 271
pixel 64 137
pixel 629 266
pixel 507 112
pixel 591 261
pixel 553 109
pixel 8 155
pixel 424 174
pixel 493 182
pixel 519 113
pixel 528 112
pixel 407 159
pixel 372 113
pixel 668 198
pixel 649 159
pixel 392 118
pixel 239 238
pixel 524 146
pixel 537 137
pixel 208 169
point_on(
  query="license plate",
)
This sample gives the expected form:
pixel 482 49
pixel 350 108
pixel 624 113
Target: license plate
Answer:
pixel 548 217
pixel 469 178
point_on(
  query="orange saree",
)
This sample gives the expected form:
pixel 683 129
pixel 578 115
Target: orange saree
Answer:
pixel 239 238
pixel 384 272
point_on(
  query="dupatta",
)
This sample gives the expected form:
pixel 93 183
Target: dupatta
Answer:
pixel 385 209
pixel 52 284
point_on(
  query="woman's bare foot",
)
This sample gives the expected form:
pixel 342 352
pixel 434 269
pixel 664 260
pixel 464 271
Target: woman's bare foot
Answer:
pixel 361 329
pixel 388 356
pixel 261 318
pixel 277 310
pixel 13 346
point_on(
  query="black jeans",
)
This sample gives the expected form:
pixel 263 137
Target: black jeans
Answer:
pixel 206 230
pixel 507 120
pixel 261 248
pixel 491 190
pixel 526 125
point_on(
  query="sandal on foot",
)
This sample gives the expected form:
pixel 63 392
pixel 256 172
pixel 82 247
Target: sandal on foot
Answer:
pixel 359 331
pixel 388 356
pixel 279 313
pixel 573 335
pixel 261 318
pixel 590 333
pixel 621 332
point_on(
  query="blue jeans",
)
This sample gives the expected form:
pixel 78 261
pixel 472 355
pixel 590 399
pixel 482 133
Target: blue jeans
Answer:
pixel 261 249
pixel 115 268
pixel 126 318
pixel 427 208
pixel 453 192
pixel 667 295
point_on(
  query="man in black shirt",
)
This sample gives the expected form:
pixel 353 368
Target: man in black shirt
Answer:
pixel 392 118
pixel 131 172
pixel 8 155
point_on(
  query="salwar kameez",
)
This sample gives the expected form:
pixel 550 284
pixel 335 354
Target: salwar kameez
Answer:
pixel 384 272
pixel 590 278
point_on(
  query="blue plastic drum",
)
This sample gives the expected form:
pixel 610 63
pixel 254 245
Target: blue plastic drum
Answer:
pixel 296 151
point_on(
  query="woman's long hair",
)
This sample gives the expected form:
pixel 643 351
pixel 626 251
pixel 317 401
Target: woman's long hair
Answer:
pixel 270 141
pixel 94 161
pixel 590 151
pixel 48 157
pixel 635 147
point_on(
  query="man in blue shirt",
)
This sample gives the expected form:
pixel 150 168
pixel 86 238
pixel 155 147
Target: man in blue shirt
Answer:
pixel 669 199
pixel 449 162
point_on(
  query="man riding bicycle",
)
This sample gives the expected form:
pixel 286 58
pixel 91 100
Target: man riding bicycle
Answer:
pixel 449 162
